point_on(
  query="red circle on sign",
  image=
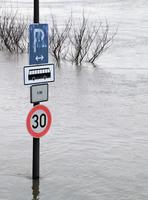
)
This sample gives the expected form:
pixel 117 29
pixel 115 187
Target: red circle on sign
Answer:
pixel 29 117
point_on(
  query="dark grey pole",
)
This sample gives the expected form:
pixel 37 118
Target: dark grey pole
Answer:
pixel 36 141
pixel 36 11
pixel 36 156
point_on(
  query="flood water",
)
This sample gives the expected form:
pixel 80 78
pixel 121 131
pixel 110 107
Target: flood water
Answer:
pixel 97 147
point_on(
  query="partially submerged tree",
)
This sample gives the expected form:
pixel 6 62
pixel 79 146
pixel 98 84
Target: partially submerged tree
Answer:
pixel 57 39
pixel 101 42
pixel 79 42
pixel 89 41
pixel 12 32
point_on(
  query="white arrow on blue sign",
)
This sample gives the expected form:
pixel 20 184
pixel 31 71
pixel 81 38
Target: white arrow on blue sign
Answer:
pixel 38 44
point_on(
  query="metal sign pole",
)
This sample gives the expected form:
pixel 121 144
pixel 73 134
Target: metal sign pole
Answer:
pixel 36 141
pixel 36 11
pixel 36 158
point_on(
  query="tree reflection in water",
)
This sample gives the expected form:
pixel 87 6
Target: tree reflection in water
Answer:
pixel 35 189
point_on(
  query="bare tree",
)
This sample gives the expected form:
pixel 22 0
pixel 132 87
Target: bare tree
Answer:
pixel 89 41
pixel 57 39
pixel 12 32
pixel 80 42
pixel 102 41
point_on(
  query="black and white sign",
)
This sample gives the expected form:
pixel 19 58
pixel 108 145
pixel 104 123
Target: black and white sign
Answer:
pixel 34 74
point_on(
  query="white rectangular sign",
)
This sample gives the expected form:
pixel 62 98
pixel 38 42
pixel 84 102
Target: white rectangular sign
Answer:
pixel 39 93
pixel 34 74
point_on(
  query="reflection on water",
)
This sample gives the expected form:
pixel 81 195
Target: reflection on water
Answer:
pixel 36 189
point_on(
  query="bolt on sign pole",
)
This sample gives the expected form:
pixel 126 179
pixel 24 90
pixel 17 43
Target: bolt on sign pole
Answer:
pixel 36 141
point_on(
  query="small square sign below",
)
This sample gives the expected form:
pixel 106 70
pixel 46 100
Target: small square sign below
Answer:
pixel 39 93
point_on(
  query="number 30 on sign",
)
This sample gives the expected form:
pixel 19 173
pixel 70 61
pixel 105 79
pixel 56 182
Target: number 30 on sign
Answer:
pixel 38 121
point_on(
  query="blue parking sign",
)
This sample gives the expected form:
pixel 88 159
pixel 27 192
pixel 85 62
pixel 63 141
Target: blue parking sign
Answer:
pixel 38 44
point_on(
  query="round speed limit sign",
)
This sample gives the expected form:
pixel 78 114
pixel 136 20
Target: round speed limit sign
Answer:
pixel 38 121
